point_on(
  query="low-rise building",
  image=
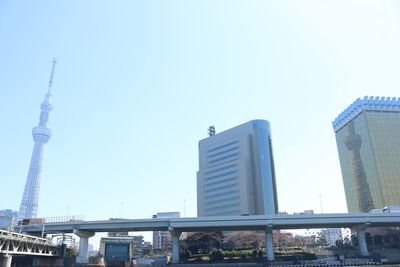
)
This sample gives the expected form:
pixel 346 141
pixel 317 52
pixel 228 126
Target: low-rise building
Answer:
pixel 121 249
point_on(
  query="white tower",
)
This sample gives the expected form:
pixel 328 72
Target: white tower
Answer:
pixel 41 135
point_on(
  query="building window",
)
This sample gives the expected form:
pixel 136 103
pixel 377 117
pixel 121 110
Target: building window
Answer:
pixel 220 169
pixel 221 181
pixel 233 212
pixel 222 152
pixel 220 188
pixel 220 175
pixel 221 201
pixel 223 158
pixel 233 192
pixel 229 206
pixel 223 146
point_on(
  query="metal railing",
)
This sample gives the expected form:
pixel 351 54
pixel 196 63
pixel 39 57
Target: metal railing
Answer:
pixel 55 219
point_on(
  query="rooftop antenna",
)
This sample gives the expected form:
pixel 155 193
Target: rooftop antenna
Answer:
pixel 211 130
pixel 53 67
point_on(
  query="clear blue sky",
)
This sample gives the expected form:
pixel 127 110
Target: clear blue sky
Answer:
pixel 139 82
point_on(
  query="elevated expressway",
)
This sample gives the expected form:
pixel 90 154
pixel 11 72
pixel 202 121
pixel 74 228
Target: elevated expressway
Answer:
pixel 356 221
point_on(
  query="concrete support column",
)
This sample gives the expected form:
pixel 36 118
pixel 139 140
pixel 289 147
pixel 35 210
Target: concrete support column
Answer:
pixel 83 254
pixel 175 245
pixel 362 243
pixel 269 244
pixel 5 261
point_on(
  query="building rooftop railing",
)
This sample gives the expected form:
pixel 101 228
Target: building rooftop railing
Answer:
pixel 378 104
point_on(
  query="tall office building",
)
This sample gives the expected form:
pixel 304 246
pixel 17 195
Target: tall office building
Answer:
pixel 236 172
pixel 368 141
pixel 41 135
pixel 160 238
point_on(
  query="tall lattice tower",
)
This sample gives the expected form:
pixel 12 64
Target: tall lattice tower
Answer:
pixel 41 135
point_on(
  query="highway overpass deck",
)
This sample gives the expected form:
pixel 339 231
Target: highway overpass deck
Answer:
pixel 86 229
pixel 225 223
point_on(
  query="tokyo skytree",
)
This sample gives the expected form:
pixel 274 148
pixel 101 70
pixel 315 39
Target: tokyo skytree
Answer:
pixel 41 135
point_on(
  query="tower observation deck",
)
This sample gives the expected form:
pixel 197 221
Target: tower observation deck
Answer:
pixel 41 135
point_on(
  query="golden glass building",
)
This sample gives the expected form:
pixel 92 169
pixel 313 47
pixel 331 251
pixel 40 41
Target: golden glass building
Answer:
pixel 368 141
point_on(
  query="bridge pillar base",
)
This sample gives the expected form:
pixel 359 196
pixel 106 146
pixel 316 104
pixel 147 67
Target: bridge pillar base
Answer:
pixel 362 243
pixel 269 245
pixel 175 245
pixel 83 254
pixel 5 261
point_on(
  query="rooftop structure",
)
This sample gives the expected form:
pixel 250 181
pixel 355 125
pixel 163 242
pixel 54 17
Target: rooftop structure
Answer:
pixel 377 104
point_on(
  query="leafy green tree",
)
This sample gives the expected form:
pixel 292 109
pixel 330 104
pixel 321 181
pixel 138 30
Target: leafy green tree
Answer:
pixel 321 240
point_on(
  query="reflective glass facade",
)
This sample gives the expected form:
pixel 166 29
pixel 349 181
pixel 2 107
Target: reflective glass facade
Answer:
pixel 368 143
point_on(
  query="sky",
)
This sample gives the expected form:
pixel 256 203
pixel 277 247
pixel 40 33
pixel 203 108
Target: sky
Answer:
pixel 138 83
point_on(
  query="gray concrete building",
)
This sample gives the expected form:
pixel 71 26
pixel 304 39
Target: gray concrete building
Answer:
pixel 236 172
